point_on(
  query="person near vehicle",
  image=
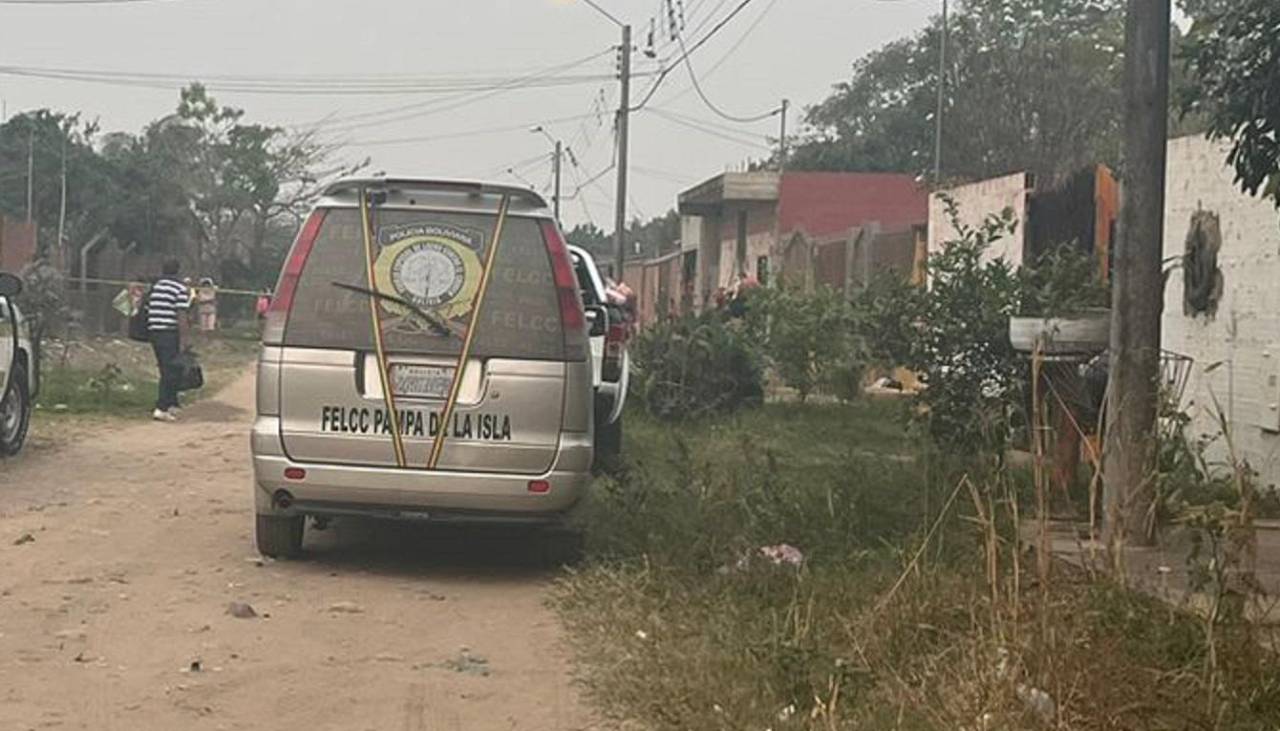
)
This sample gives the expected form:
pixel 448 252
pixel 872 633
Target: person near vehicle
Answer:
pixel 262 305
pixel 207 304
pixel 167 306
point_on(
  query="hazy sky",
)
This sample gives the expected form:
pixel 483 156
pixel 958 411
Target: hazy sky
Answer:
pixel 797 50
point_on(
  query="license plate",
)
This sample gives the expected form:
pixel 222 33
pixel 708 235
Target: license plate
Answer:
pixel 417 381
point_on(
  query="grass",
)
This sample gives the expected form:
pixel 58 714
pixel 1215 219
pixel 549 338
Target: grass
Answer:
pixel 116 378
pixel 674 628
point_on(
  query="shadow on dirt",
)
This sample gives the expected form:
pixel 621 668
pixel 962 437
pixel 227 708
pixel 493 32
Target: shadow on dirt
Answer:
pixel 398 548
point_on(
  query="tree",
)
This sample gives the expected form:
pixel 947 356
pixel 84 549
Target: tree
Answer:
pixel 52 139
pixel 655 237
pixel 1031 85
pixel 589 236
pixel 1232 55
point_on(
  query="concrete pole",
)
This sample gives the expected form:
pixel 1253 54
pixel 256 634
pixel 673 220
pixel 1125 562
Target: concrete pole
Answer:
pixel 942 89
pixel 31 167
pixel 1138 285
pixel 624 114
pixel 782 138
pixel 556 166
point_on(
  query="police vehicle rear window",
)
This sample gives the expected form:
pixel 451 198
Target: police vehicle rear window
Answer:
pixel 430 263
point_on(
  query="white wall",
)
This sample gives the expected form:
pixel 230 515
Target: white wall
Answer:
pixel 1243 339
pixel 976 201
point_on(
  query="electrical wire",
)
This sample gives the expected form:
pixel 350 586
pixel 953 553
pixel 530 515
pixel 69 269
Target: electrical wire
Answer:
pixel 460 134
pixel 740 131
pixel 301 86
pixel 686 52
pixel 80 2
pixel 693 77
pixel 713 132
pixel 732 49
pixel 434 106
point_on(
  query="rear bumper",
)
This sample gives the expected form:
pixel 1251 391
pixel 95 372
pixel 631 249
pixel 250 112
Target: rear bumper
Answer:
pixel 330 489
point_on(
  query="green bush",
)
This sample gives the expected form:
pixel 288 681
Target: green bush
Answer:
pixel 810 341
pixel 697 365
pixel 955 335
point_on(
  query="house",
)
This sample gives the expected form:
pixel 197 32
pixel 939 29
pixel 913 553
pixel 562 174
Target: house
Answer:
pixel 1221 321
pixel 1081 210
pixel 17 244
pixel 763 224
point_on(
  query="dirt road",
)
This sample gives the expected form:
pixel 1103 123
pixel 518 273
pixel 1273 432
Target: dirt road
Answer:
pixel 122 549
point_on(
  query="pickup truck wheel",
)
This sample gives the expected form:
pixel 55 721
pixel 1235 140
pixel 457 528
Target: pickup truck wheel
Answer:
pixel 15 413
pixel 280 536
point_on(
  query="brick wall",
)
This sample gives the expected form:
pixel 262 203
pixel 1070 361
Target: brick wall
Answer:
pixel 17 244
pixel 976 202
pixel 1236 352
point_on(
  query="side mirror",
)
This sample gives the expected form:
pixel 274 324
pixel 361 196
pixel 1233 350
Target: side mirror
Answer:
pixel 597 320
pixel 10 285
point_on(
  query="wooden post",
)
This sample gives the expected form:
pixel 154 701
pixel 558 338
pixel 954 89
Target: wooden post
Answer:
pixel 1138 289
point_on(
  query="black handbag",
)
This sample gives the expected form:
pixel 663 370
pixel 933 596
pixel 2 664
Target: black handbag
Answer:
pixel 190 374
pixel 139 328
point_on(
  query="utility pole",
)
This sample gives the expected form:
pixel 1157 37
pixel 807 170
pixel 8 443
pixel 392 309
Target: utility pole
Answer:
pixel 556 166
pixel 31 167
pixel 782 138
pixel 624 115
pixel 556 159
pixel 1137 284
pixel 942 92
pixel 60 256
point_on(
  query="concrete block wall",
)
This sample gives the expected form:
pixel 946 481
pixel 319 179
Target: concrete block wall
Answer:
pixel 1236 353
pixel 976 201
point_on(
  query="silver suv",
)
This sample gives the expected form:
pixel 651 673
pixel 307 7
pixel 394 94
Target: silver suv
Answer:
pixel 19 369
pixel 425 356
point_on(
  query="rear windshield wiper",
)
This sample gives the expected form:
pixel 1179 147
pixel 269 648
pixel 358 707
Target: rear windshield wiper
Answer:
pixel 437 325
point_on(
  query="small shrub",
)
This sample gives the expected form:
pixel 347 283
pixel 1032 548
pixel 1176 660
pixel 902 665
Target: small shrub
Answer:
pixel 955 335
pixel 810 342
pixel 107 381
pixel 696 365
pixel 1062 281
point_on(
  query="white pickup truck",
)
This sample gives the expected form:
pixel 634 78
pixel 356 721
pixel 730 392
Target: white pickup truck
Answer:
pixel 611 365
pixel 19 369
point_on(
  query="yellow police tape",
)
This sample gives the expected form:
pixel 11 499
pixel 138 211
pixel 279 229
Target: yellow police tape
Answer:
pixel 128 283
pixel 397 440
pixel 438 445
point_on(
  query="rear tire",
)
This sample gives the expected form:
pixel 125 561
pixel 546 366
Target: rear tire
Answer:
pixel 15 412
pixel 280 536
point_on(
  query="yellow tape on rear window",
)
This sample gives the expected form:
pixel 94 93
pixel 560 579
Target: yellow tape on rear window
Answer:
pixel 438 445
pixel 397 440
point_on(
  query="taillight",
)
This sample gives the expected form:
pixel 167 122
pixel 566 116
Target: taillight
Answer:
pixel 287 287
pixel 572 317
pixel 615 339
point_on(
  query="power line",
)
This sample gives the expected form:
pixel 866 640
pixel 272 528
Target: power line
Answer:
pixel 80 2
pixel 465 133
pixel 281 86
pixel 693 77
pixel 433 106
pixel 710 131
pixel 706 122
pixel 686 52
pixel 732 49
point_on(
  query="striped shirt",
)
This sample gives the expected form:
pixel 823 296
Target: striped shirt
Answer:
pixel 167 298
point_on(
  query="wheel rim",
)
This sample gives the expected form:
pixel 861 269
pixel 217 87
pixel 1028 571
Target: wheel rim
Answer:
pixel 10 415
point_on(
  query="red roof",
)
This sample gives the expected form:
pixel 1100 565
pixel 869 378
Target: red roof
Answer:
pixel 827 203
